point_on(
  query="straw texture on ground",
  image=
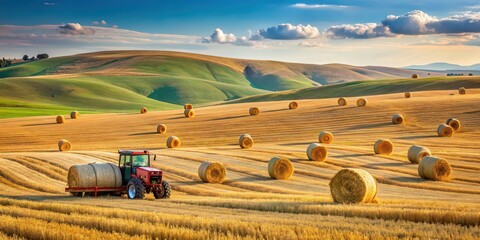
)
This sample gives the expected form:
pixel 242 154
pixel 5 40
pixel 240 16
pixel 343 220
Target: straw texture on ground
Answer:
pixel 64 145
pixel 416 153
pixel 383 146
pixel 325 137
pixel 280 168
pixel 317 152
pixel 173 142
pixel 353 186
pixel 212 172
pixel 434 168
pixel 444 130
pixel 245 141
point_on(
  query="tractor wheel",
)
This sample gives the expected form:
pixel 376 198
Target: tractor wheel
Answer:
pixel 76 194
pixel 135 188
pixel 164 192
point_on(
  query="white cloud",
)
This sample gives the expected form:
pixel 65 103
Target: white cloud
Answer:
pixel 219 36
pixel 114 26
pixel 287 31
pixel 311 44
pixel 358 31
pixel 317 6
pixel 75 29
pixel 95 23
pixel 103 22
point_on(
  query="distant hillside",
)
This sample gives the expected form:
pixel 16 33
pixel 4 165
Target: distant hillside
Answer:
pixel 127 80
pixel 442 66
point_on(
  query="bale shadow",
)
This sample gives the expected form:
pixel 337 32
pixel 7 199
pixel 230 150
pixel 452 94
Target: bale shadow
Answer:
pixel 295 144
pixel 277 110
pixel 39 124
pixel 355 155
pixel 144 133
pixel 370 125
pixel 232 117
pixel 392 164
pixel 417 137
pixel 173 118
pixel 409 179
pixel 255 178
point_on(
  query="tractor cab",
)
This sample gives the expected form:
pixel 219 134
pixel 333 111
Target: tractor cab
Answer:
pixel 139 176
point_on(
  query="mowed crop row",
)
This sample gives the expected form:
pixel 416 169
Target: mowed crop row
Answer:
pixel 249 204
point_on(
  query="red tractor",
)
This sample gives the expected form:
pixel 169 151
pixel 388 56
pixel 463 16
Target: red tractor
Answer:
pixel 137 177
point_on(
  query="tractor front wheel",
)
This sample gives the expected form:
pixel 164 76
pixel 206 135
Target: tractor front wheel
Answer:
pixel 164 192
pixel 135 188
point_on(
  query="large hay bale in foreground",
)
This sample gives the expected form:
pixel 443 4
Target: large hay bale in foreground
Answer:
pixel 74 115
pixel 416 153
pixel 189 113
pixel 342 101
pixel 414 76
pixel 280 168
pixel 454 123
pixel 444 130
pixel 325 137
pixel 64 145
pixel 353 185
pixel 397 118
pixel 254 111
pixel 434 168
pixel 212 172
pixel 362 102
pixel 161 128
pixel 187 106
pixel 383 146
pixel 245 141
pixel 462 91
pixel 408 95
pixel 143 110
pixel 60 119
pixel 173 142
pixel 95 175
pixel 317 152
pixel 293 105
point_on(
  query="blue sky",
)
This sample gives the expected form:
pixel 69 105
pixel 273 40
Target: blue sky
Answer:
pixel 363 32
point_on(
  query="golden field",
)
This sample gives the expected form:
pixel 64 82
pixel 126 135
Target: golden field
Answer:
pixel 249 204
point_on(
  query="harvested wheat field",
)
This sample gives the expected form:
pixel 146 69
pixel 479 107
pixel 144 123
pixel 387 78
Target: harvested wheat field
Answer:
pixel 249 204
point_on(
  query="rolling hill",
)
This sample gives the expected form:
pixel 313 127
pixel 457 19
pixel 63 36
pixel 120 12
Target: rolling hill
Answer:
pixel 121 81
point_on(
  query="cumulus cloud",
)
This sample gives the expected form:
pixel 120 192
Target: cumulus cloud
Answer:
pixel 287 31
pixel 75 29
pixel 219 36
pixel 103 22
pixel 413 23
pixel 311 44
pixel 317 6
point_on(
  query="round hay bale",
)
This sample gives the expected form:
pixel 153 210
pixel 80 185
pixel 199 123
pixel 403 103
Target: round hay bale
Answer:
pixel 454 123
pixel 60 119
pixel 143 110
pixel 187 106
pixel 64 145
pixel 416 153
pixel 212 172
pixel 317 152
pixel 254 111
pixel 293 105
pixel 434 168
pixel 444 130
pixel 408 95
pixel 383 146
pixel 325 137
pixel 462 91
pixel 362 102
pixel 189 113
pixel 173 142
pixel 161 128
pixel 95 175
pixel 397 118
pixel 351 185
pixel 74 115
pixel 414 76
pixel 245 141
pixel 342 101
pixel 280 168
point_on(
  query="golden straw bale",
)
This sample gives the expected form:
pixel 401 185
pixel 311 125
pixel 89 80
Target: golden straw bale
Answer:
pixel 280 168
pixel 325 137
pixel 408 95
pixel 254 111
pixel 342 101
pixel 245 141
pixel 416 153
pixel 189 113
pixel 454 123
pixel 143 110
pixel 462 91
pixel 74 115
pixel 187 106
pixel 444 130
pixel 397 118
pixel 95 175
pixel 317 152
pixel 64 145
pixel 60 119
pixel 293 105
pixel 352 185
pixel 362 102
pixel 212 172
pixel 173 142
pixel 383 146
pixel 414 76
pixel 161 128
pixel 434 168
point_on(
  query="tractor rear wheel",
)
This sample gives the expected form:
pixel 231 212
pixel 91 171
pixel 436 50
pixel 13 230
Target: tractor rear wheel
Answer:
pixel 164 192
pixel 135 188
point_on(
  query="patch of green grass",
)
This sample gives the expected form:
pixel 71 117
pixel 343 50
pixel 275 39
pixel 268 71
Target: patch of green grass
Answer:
pixel 37 67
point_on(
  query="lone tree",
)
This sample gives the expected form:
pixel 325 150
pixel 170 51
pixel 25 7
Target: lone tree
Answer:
pixel 25 57
pixel 42 56
pixel 470 74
